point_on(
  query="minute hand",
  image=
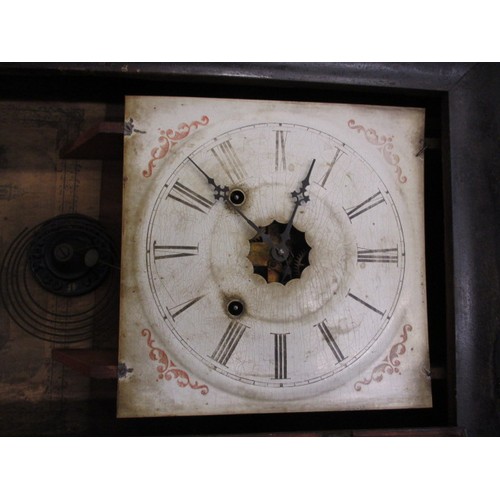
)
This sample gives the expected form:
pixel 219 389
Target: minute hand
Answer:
pixel 221 193
pixel 260 231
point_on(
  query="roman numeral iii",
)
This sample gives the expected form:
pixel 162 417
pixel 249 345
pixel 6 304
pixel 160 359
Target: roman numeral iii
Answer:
pixel 380 255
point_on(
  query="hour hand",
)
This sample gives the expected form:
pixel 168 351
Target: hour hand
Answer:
pixel 300 197
pixel 220 192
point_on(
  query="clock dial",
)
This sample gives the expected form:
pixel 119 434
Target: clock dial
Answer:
pixel 198 255
pixel 275 261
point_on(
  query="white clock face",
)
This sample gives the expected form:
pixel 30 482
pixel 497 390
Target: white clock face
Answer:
pixel 273 258
pixel 300 321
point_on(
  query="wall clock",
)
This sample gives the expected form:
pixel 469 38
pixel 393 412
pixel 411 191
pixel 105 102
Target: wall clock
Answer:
pixel 272 258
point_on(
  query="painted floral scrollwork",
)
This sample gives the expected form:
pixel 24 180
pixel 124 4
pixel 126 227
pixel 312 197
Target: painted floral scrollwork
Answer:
pixel 384 144
pixel 167 370
pixel 390 363
pixel 169 138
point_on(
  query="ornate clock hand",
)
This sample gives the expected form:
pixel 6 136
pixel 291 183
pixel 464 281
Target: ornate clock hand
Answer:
pixel 300 198
pixel 300 195
pixel 281 251
pixel 221 193
pixel 260 230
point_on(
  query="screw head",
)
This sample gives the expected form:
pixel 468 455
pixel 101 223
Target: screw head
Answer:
pixel 237 197
pixel 235 308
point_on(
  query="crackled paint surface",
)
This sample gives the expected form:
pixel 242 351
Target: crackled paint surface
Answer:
pixel 348 178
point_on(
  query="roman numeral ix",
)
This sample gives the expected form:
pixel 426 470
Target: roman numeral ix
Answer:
pixel 173 251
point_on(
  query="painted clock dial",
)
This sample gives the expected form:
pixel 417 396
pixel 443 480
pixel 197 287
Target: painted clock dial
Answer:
pixel 273 252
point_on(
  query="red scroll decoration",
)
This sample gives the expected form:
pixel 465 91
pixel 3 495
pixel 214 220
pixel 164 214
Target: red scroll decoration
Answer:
pixel 169 138
pixel 390 363
pixel 167 370
pixel 383 144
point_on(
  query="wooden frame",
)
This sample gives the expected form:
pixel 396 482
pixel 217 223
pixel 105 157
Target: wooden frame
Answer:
pixel 470 108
